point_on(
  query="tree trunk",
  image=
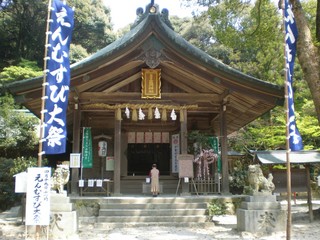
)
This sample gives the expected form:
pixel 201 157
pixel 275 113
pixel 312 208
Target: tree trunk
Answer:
pixel 308 55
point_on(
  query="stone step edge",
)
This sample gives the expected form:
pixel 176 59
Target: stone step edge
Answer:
pixel 166 219
pixel 152 210
pixel 104 226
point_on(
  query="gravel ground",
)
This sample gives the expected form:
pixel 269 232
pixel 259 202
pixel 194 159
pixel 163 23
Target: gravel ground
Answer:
pixel 222 227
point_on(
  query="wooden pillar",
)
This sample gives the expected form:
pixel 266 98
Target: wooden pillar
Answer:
pixel 307 167
pixel 76 147
pixel 224 149
pixel 117 157
pixel 184 133
pixel 184 146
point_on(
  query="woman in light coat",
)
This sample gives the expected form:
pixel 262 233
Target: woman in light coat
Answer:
pixel 154 175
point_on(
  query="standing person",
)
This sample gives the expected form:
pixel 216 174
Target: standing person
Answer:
pixel 154 174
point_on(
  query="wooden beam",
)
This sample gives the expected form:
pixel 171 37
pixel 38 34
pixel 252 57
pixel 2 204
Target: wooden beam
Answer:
pixel 193 74
pixel 126 96
pixel 123 83
pixel 177 83
pixel 105 77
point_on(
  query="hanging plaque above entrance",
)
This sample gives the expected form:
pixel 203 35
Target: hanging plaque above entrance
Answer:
pixel 151 83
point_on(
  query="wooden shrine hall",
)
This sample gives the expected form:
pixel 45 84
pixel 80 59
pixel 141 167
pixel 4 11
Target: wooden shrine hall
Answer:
pixel 143 94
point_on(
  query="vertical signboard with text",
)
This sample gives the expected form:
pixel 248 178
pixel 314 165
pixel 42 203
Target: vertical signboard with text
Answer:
pixel 175 142
pixel 38 196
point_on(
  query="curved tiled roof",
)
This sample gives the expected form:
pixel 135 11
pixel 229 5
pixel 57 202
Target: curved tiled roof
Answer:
pixel 189 76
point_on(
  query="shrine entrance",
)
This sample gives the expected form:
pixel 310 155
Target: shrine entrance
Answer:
pixel 141 156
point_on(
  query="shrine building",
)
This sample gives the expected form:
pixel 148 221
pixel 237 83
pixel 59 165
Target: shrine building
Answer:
pixel 143 94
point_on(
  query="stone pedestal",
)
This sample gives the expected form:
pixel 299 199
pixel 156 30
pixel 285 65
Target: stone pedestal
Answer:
pixel 261 213
pixel 63 217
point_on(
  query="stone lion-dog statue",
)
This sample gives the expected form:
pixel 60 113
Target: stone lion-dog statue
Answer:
pixel 60 177
pixel 257 181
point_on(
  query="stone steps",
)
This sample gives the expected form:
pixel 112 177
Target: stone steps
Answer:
pixel 154 206
pixel 149 219
pixel 153 211
pixel 102 227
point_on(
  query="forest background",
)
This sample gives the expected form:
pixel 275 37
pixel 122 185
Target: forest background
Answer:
pixel 246 35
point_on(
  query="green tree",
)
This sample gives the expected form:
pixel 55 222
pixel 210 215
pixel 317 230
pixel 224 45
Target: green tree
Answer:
pixel 242 29
pixel 77 53
pixel 8 168
pixel 24 69
pixel 308 25
pixel 92 27
pixel 17 130
pixel 23 26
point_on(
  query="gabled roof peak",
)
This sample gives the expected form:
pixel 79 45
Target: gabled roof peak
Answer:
pixel 152 8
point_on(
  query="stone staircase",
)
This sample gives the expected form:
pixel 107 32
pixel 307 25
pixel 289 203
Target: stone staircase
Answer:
pixel 152 211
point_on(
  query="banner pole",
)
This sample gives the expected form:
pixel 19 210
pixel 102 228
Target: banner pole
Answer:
pixel 40 153
pixel 288 165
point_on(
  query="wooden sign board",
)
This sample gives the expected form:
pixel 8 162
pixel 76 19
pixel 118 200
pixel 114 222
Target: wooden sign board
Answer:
pixel 185 165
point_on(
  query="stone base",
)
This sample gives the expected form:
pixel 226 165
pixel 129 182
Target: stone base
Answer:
pixel 261 213
pixel 63 217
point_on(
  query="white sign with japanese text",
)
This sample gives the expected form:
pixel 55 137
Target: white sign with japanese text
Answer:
pixel 38 196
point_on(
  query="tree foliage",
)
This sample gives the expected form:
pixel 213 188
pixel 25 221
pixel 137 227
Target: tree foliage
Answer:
pixel 234 20
pixel 17 130
pixel 93 28
pixel 24 69
pixel 77 53
pixel 23 27
pixel 8 168
pixel 242 28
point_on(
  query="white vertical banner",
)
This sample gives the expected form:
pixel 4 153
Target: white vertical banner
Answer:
pixel 38 196
pixel 175 146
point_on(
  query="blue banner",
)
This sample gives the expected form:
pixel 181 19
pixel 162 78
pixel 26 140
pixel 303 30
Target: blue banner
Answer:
pixel 291 38
pixel 58 78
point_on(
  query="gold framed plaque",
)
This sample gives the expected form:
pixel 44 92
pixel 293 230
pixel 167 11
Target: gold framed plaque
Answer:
pixel 151 83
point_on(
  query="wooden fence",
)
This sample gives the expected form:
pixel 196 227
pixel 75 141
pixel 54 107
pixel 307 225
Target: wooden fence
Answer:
pixel 206 186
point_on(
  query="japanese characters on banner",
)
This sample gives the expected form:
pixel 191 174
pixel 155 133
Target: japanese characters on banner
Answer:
pixel 38 196
pixel 291 37
pixel 175 142
pixel 58 78
pixel 214 142
pixel 87 155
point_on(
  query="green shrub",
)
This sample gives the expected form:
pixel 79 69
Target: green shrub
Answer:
pixel 217 207
pixel 224 206
pixel 8 168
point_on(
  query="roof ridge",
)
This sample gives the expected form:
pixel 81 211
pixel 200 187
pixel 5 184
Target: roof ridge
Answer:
pixel 152 8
